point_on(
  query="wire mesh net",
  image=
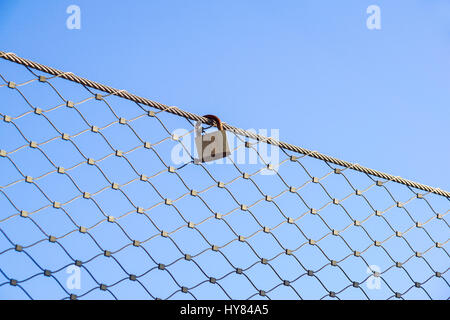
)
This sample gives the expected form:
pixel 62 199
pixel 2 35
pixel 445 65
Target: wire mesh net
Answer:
pixel 101 198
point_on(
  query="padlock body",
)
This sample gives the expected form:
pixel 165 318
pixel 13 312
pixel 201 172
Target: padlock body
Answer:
pixel 212 146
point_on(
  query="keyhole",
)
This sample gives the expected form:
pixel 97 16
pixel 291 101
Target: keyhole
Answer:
pixel 212 140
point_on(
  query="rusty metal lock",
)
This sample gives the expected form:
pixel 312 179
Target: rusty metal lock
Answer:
pixel 214 145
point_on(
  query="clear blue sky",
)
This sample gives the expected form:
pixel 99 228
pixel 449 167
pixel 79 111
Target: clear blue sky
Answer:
pixel 311 69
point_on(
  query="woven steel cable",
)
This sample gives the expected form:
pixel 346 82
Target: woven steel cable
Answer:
pixel 175 110
pixel 331 294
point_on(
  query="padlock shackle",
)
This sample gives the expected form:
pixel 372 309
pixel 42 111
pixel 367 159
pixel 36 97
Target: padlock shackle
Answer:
pixel 216 119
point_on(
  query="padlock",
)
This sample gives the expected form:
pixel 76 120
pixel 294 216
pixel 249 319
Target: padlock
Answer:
pixel 214 145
